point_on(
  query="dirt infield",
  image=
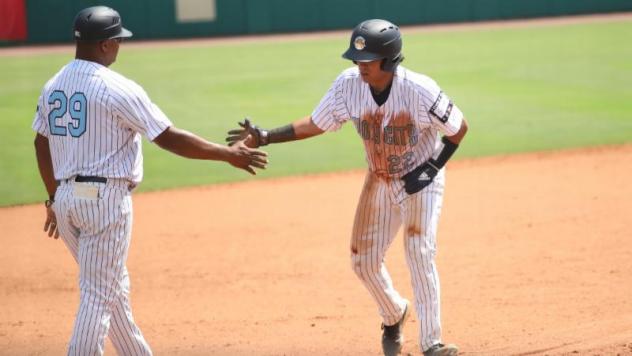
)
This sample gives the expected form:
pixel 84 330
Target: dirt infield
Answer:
pixel 535 255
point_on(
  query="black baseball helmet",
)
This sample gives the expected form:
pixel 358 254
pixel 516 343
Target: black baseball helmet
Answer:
pixel 99 23
pixel 373 40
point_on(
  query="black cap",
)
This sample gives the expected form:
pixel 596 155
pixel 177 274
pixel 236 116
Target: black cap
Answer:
pixel 99 23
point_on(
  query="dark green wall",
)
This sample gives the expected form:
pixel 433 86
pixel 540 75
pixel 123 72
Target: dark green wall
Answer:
pixel 51 20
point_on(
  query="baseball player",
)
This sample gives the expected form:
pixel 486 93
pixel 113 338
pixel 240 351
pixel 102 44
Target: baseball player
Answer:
pixel 89 123
pixel 399 115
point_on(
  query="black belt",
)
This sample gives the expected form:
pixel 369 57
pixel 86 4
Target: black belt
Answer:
pixel 84 179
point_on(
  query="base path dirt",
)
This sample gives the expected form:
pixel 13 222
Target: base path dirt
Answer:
pixel 534 253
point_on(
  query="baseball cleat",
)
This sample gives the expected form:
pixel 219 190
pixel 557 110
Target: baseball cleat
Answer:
pixel 442 350
pixel 393 337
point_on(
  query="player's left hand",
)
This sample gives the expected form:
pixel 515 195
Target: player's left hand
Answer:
pixel 51 222
pixel 419 178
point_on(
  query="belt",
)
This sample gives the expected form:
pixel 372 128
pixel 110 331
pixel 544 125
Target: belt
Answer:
pixel 85 179
pixel 93 179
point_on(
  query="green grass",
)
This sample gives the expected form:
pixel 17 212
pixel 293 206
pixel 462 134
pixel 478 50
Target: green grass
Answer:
pixel 522 89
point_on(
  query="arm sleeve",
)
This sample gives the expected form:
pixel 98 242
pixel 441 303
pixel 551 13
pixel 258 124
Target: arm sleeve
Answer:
pixel 139 113
pixel 444 115
pixel 39 122
pixel 331 113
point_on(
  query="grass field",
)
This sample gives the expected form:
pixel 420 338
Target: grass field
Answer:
pixel 522 89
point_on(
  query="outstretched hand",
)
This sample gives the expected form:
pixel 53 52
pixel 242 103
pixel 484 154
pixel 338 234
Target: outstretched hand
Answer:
pixel 246 158
pixel 250 134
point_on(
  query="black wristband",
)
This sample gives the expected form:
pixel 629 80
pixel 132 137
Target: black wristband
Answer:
pixel 282 134
pixel 444 154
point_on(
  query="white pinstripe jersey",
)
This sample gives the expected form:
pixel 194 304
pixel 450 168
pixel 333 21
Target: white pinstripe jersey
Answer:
pixel 93 118
pixel 403 132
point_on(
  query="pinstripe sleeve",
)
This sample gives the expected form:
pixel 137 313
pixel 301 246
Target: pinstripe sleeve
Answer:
pixel 138 112
pixel 444 115
pixel 39 122
pixel 331 112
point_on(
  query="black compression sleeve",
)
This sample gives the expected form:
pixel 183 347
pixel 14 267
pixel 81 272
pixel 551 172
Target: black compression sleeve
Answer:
pixel 282 134
pixel 443 155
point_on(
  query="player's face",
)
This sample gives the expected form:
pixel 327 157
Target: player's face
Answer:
pixel 373 74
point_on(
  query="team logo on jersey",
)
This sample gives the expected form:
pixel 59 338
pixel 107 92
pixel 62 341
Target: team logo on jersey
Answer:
pixel 359 43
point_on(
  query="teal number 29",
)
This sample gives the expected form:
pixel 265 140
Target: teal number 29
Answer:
pixel 76 107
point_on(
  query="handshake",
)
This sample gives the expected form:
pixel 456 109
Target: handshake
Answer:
pixel 242 144
pixel 251 135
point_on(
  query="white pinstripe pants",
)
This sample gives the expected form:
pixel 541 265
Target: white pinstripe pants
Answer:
pixel 382 209
pixel 97 233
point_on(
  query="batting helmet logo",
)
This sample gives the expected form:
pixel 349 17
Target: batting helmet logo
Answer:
pixel 359 43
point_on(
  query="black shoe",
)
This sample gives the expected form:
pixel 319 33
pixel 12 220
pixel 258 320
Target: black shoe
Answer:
pixel 392 337
pixel 442 350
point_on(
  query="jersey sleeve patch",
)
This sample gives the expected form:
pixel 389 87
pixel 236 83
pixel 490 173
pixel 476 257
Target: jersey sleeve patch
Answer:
pixel 442 108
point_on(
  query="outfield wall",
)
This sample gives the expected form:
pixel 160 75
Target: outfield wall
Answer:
pixel 50 20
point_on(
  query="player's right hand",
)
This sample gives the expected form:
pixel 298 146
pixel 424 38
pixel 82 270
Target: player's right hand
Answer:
pixel 51 223
pixel 249 133
pixel 246 158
